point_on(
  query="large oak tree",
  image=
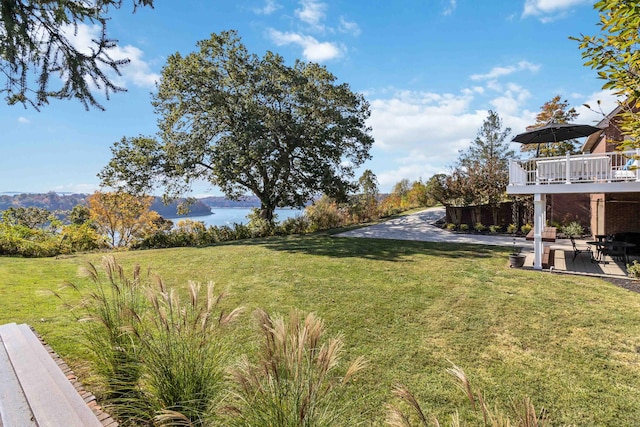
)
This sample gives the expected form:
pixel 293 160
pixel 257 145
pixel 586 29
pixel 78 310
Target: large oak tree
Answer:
pixel 35 45
pixel 248 124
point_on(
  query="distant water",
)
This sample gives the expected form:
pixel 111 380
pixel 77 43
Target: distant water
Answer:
pixel 229 216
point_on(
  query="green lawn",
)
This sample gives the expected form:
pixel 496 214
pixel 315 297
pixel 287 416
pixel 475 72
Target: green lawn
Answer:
pixel 571 343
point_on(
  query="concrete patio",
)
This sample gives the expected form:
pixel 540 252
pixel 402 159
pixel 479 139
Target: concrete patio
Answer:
pixel 583 264
pixel 420 227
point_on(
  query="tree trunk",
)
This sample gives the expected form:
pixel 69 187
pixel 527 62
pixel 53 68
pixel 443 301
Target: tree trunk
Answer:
pixel 266 211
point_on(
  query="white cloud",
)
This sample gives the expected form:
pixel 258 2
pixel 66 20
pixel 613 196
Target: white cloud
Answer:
pixel 23 120
pixel 450 8
pixel 137 71
pixel 511 100
pixel 311 13
pixel 269 7
pixel 419 134
pixel 601 103
pixel 76 188
pixel 505 71
pixel 312 49
pixel 409 120
pixel 545 8
pixel 349 27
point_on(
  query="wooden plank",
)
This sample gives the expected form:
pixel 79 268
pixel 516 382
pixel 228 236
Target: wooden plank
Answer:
pixel 53 399
pixel 548 257
pixel 548 234
pixel 14 408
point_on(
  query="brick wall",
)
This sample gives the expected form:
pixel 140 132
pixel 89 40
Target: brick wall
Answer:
pixel 622 213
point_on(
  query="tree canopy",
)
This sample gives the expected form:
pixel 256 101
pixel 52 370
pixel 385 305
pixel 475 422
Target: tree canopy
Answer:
pixel 481 174
pixel 555 110
pixel 35 46
pixel 614 54
pixel 485 164
pixel 248 124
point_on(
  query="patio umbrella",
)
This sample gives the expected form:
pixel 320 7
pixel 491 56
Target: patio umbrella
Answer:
pixel 555 132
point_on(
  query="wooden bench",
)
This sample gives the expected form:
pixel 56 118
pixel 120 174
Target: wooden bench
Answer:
pixel 548 257
pixel 34 389
pixel 548 234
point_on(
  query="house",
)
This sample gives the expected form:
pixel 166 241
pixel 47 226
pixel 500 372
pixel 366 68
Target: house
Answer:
pixel 613 213
pixel 610 177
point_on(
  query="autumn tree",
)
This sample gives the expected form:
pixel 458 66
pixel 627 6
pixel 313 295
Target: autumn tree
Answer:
pixel 122 217
pixel 248 124
pixel 36 49
pixel 483 168
pixel 614 54
pixel 556 111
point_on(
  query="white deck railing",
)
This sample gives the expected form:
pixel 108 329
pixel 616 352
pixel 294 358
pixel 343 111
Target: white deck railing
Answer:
pixel 584 168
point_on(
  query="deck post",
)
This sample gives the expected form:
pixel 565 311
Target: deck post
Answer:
pixel 539 221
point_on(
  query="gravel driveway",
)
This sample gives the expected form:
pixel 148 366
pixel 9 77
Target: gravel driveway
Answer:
pixel 419 226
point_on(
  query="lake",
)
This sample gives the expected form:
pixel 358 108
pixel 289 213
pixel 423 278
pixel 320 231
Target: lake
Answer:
pixel 229 216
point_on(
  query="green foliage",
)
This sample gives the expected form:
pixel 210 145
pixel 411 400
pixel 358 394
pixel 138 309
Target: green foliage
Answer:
pixel 36 47
pixel 31 217
pixel 248 124
pixel 161 357
pixel 573 229
pixel 526 228
pixel 495 229
pixel 479 227
pixel 325 214
pixel 484 166
pixel 295 225
pixel 110 309
pixel 79 215
pixel 295 381
pixel 512 228
pixel 633 269
pixel 614 55
pixel 450 226
pixel 464 227
pixel 259 226
pixel 29 242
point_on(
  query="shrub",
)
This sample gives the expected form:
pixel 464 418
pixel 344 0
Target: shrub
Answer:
pixel 512 228
pixel 184 353
pixel 161 357
pixel 324 214
pixel 450 226
pixel 293 382
pixel 479 227
pixel 109 309
pixel 464 227
pixel 260 227
pixel 634 269
pixel 494 229
pixel 573 229
pixel 526 228
pixel 294 225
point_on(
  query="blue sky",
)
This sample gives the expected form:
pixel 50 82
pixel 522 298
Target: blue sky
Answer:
pixel 431 69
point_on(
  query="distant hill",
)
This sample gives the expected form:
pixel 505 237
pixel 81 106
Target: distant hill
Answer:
pixel 65 202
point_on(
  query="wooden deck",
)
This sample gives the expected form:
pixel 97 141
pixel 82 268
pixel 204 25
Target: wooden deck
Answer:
pixel 38 389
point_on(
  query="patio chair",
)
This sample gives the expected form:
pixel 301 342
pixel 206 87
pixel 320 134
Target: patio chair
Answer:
pixel 617 251
pixel 577 251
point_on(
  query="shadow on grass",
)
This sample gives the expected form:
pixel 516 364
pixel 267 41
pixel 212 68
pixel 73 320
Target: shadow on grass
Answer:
pixel 380 249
